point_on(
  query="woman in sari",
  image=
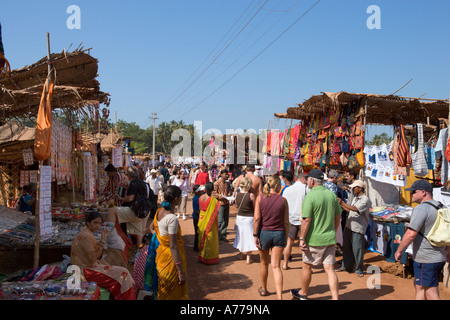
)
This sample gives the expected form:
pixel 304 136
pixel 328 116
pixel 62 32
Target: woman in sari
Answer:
pixel 208 227
pixel 86 253
pixel 170 260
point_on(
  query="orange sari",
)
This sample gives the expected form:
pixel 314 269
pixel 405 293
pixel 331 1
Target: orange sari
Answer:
pixel 168 287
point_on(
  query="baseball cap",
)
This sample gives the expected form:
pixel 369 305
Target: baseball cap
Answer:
pixel 357 183
pixel 315 173
pixel 420 185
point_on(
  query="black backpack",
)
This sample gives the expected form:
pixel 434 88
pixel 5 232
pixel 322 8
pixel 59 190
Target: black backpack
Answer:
pixel 143 206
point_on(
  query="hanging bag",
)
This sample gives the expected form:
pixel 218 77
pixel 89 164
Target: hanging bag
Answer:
pixel 419 162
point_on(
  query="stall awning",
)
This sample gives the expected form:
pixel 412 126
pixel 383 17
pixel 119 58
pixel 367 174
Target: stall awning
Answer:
pixel 381 109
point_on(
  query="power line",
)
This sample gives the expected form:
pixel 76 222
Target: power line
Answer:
pixel 216 57
pixel 260 53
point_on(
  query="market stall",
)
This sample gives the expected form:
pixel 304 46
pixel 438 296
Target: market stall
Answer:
pixel 330 134
pixel 67 180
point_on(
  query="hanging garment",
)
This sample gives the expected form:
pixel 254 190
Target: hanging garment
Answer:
pixel 419 163
pixel 430 156
pixel 43 136
pixel 403 152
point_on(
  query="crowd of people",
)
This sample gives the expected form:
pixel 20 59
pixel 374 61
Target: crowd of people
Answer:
pixel 327 214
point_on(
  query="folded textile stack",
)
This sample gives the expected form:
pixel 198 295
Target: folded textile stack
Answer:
pixel 391 213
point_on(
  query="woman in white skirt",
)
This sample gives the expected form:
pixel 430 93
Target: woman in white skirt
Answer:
pixel 245 202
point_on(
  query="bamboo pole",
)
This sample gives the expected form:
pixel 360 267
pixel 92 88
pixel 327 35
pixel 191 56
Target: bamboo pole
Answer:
pixel 37 231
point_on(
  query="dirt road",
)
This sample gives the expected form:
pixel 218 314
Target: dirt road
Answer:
pixel 234 279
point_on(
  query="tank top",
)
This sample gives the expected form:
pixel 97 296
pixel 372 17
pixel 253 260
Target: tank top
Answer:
pixel 272 213
pixel 245 205
pixel 202 178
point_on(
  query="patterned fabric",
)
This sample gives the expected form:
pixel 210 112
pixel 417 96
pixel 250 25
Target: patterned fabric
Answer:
pixel 110 191
pixel 403 153
pixel 419 162
pixel 221 189
pixel 139 269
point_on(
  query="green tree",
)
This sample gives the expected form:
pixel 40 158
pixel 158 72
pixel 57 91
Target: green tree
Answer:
pixel 379 139
pixel 143 138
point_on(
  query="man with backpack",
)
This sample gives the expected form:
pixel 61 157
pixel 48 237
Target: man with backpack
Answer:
pixel 428 259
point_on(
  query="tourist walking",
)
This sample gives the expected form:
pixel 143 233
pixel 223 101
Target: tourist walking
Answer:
pixel 245 202
pixel 428 259
pixel 320 218
pixel 270 228
pixel 294 196
pixel 183 183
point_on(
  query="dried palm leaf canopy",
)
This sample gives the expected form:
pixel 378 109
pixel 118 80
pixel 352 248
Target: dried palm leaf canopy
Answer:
pixel 380 109
pixel 76 87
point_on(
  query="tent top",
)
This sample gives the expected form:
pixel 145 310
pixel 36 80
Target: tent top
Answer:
pixel 381 109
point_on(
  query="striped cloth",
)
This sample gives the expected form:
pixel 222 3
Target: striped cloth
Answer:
pixel 403 152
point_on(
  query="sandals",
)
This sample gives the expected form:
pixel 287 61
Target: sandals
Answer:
pixel 262 292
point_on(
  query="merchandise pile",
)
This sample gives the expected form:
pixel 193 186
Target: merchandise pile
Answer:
pixel 391 213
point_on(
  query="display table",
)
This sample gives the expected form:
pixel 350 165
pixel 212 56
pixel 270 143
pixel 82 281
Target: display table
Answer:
pixel 387 225
pixel 48 290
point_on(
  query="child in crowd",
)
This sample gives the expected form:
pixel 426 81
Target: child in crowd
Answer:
pixel 198 191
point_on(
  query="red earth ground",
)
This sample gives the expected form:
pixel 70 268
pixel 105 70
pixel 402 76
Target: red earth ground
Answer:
pixel 234 279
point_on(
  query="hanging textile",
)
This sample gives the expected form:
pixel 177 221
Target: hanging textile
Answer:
pixel 403 152
pixel 43 136
pixel 269 141
pixel 419 163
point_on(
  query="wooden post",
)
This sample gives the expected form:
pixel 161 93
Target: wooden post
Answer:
pixel 37 231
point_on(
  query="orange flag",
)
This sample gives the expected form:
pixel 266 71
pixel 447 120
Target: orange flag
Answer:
pixel 43 138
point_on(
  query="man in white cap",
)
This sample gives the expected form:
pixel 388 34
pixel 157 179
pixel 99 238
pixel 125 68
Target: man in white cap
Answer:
pixel 155 183
pixel 355 228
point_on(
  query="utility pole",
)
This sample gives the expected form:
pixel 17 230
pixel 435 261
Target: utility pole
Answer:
pixel 154 132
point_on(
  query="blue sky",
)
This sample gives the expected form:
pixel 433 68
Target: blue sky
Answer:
pixel 149 52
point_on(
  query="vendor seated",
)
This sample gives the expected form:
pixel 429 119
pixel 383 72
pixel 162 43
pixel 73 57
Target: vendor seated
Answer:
pixel 27 202
pixel 86 253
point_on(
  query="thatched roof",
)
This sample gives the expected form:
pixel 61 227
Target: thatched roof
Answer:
pixel 76 86
pixel 13 139
pixel 381 109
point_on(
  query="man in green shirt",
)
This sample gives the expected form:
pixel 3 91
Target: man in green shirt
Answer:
pixel 320 219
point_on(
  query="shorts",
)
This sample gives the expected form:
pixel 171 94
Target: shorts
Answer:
pixel 427 274
pixel 135 225
pixel 272 238
pixel 294 231
pixel 320 255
